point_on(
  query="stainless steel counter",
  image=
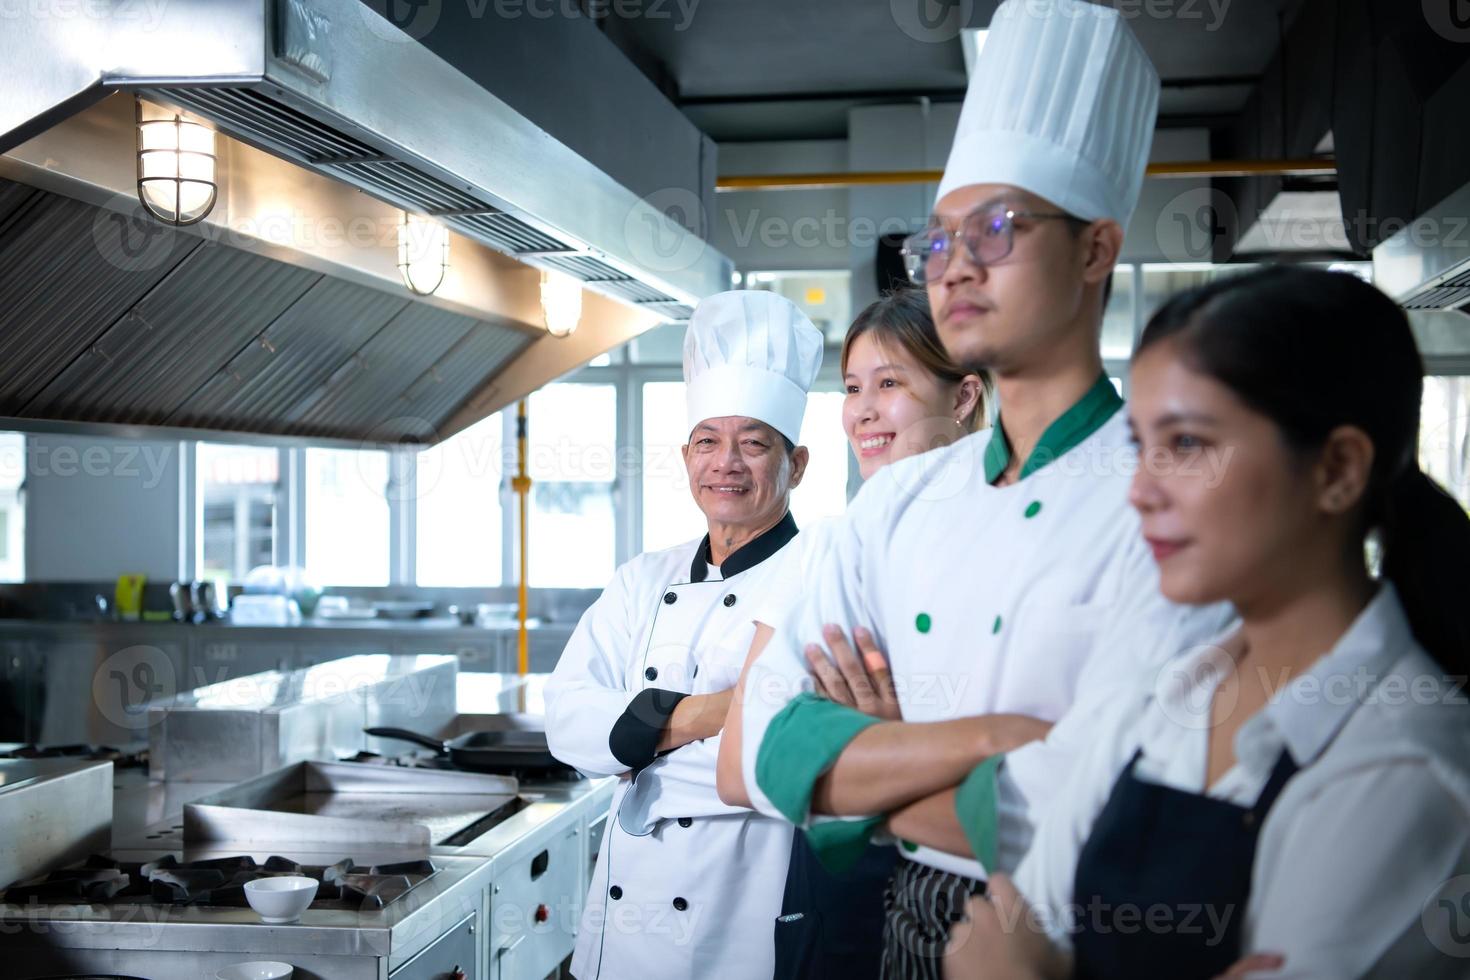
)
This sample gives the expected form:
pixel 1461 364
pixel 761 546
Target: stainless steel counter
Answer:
pixel 84 682
pixel 535 860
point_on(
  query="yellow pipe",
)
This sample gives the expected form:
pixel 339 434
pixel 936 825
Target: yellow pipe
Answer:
pixel 521 484
pixel 861 178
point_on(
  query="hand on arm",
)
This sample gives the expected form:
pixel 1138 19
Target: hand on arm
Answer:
pixel 860 680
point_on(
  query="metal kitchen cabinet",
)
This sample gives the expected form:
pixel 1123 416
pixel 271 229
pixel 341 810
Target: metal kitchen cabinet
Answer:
pixel 311 654
pixel 17 686
pixel 221 660
pixel 450 957
pixel 536 905
pixel 93 686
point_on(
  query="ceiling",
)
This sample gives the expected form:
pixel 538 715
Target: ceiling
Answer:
pixel 748 70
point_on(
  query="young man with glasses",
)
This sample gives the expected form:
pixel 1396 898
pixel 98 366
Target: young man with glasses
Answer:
pixel 1001 581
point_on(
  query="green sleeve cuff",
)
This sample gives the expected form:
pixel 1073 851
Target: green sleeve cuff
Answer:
pixel 801 743
pixel 838 844
pixel 976 806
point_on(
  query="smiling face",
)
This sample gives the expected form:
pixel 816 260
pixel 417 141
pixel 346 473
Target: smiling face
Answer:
pixel 894 408
pixel 1230 511
pixel 740 473
pixel 1027 308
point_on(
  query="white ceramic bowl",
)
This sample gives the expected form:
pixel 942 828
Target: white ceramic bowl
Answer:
pixel 259 970
pixel 282 898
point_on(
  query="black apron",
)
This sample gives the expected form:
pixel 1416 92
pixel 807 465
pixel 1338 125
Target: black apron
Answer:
pixel 831 925
pixel 1183 855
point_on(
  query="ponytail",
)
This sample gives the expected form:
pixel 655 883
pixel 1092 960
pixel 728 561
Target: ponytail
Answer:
pixel 1297 346
pixel 1426 555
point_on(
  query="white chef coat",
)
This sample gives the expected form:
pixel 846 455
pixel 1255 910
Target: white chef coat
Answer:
pixel 1023 598
pixel 1351 857
pixel 685 885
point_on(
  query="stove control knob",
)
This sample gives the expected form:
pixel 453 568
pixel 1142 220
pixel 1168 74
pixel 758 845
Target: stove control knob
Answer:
pixel 542 914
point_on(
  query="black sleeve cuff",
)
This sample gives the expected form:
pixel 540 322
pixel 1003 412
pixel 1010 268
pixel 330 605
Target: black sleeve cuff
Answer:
pixel 635 735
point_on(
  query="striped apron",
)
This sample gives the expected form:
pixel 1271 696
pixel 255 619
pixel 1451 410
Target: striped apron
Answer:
pixel 920 905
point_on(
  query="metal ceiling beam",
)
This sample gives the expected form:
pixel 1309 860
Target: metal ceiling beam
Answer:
pixel 1196 169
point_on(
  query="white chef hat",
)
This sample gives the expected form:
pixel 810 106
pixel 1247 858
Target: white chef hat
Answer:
pixel 750 353
pixel 1061 103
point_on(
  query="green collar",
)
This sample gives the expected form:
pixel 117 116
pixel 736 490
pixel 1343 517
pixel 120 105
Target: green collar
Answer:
pixel 1074 425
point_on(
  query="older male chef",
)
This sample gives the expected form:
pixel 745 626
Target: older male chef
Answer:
pixel 687 886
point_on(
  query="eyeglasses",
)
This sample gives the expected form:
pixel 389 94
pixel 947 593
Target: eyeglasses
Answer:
pixel 988 234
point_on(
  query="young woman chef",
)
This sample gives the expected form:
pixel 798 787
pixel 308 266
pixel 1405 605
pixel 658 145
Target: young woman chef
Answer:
pixel 1003 574
pixel 687 886
pixel 1293 801
pixel 904 396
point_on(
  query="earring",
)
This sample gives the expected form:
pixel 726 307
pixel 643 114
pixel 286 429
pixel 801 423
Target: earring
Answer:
pixel 959 423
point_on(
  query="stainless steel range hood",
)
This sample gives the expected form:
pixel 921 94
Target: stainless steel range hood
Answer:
pixel 1426 265
pixel 259 319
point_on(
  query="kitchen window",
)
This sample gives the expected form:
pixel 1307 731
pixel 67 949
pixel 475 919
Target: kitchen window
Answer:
pixel 670 515
pixel 239 489
pixel 12 506
pixel 346 517
pixel 457 499
pixel 573 466
pixel 823 491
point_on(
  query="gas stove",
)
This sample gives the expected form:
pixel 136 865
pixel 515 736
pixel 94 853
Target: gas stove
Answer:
pixel 218 882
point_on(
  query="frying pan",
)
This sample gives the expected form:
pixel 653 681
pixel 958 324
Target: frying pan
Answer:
pixel 485 751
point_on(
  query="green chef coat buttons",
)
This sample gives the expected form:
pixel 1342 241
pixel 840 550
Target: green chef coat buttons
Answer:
pixel 1033 509
pixel 922 622
pixel 996 628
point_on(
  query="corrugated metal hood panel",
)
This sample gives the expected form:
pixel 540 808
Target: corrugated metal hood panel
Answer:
pixel 204 335
pixel 66 281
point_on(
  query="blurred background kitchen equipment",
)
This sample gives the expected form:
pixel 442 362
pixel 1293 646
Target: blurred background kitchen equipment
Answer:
pixel 183 601
pixel 128 597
